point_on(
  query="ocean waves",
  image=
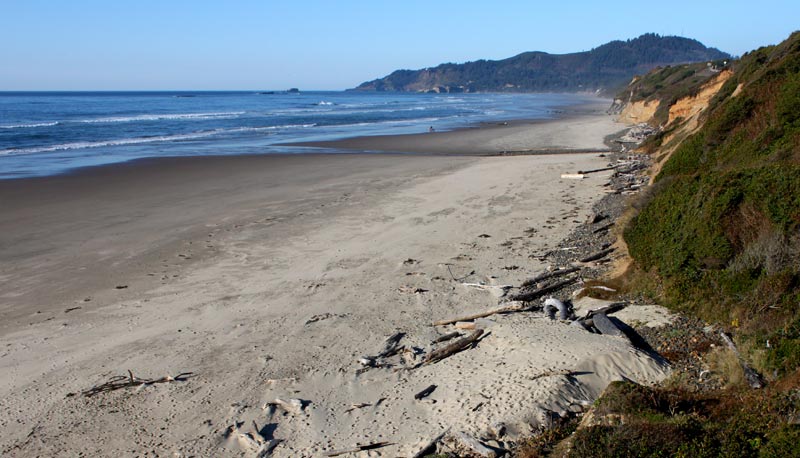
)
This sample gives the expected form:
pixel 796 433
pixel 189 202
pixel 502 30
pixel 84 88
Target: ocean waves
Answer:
pixel 47 133
pixel 30 125
pixel 164 117
pixel 148 139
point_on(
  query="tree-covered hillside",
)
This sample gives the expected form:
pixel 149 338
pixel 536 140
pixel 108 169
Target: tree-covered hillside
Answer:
pixel 604 68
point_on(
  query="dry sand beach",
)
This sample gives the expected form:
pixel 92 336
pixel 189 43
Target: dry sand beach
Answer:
pixel 271 276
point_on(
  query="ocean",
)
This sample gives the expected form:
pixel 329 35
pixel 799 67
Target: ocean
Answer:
pixel 47 133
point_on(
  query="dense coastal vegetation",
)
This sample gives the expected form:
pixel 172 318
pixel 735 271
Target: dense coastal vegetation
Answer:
pixel 605 68
pixel 717 237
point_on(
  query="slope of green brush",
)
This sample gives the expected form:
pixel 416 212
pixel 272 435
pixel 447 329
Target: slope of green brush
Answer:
pixel 721 226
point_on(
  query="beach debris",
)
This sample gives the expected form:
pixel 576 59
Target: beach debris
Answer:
pixel 429 446
pixel 446 337
pixel 425 393
pixel 294 406
pixel 596 256
pixel 121 287
pixel 484 236
pixel 573 176
pixel 462 442
pixel 638 133
pixel 453 348
pixel 410 262
pixel 753 379
pixel 392 345
pixel 124 381
pixel 551 305
pixel 465 325
pixel 71 309
pixel 357 448
pixel 513 306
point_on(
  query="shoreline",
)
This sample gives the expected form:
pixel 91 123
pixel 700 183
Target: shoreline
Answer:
pixel 270 277
pixel 570 133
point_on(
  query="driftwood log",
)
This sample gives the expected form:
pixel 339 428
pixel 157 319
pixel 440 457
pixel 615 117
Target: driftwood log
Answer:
pixel 548 275
pixel 533 295
pixel 453 348
pixel 598 255
pixel 586 172
pixel 602 228
pixel 751 376
pixel 514 307
pixel 447 337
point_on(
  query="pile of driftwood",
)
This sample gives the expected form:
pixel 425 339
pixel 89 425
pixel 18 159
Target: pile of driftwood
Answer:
pixel 638 133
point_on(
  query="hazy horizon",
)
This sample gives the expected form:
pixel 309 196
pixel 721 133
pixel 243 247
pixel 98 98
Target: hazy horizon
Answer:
pixel 149 46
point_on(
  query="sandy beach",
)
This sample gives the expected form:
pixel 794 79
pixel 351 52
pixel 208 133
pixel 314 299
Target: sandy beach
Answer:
pixel 270 277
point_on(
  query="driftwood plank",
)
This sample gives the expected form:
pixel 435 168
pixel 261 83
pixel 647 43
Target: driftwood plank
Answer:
pixel 516 307
pixel 533 295
pixel 606 326
pixel 453 348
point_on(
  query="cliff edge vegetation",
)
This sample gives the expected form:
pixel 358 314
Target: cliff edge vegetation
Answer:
pixel 716 238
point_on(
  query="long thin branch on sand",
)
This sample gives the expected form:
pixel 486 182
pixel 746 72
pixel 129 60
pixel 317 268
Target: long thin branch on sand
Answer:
pixel 533 295
pixel 122 381
pixel 515 307
pixel 357 448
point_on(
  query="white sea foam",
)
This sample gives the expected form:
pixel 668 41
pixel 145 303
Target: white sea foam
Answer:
pixel 29 126
pixel 100 144
pixel 140 140
pixel 324 103
pixel 164 116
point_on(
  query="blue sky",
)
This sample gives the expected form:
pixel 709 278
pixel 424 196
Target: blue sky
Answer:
pixel 316 44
